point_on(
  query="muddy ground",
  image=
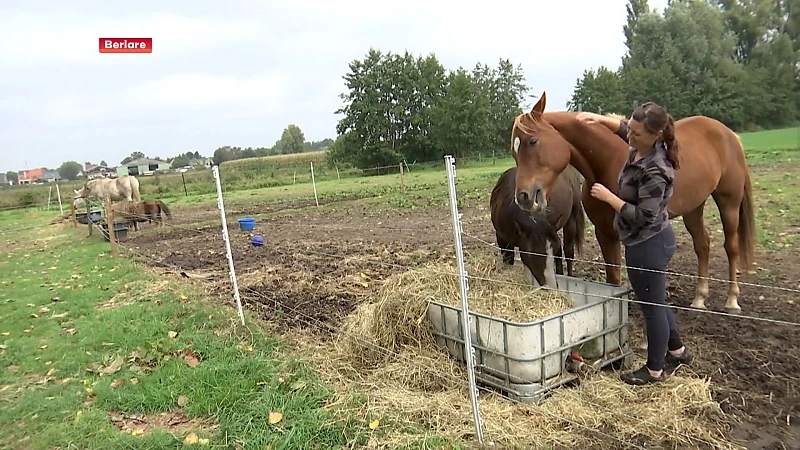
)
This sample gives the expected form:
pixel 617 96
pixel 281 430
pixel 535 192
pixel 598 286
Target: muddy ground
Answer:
pixel 316 267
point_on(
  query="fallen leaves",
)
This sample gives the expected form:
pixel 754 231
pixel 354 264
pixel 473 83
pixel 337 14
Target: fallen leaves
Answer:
pixel 374 424
pixel 114 367
pixel 275 417
pixel 172 334
pixel 182 401
pixel 191 358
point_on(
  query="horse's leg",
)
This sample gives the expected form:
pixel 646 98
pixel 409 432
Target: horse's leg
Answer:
pixel 728 207
pixel 558 254
pixel 693 221
pixel 570 232
pixel 612 255
pixel 506 252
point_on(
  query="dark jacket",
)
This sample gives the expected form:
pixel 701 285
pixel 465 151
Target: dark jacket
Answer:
pixel 646 187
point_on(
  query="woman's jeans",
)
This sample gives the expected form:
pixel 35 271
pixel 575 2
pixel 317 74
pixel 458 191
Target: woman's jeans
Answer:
pixel 650 287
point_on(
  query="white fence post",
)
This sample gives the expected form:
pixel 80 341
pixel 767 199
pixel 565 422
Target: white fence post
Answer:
pixel 314 183
pixel 226 238
pixel 450 162
pixel 58 192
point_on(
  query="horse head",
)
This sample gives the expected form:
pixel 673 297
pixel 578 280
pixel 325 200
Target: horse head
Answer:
pixel 541 154
pixel 82 192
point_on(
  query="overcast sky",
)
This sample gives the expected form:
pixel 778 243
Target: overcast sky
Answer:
pixel 237 72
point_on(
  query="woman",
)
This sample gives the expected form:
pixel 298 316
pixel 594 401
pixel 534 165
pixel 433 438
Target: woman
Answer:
pixel 642 222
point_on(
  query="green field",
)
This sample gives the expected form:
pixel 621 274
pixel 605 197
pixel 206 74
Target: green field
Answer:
pixel 97 352
pixel 785 138
pixel 287 170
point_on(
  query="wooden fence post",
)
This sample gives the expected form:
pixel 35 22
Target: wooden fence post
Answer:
pixel 73 214
pixel 402 179
pixel 88 216
pixel 112 235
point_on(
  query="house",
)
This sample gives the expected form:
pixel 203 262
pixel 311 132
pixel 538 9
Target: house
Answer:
pixel 30 176
pixel 3 179
pixel 142 166
pixel 50 176
pixel 205 162
pixel 92 171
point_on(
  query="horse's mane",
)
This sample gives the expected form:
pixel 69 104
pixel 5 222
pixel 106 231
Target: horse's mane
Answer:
pixel 615 116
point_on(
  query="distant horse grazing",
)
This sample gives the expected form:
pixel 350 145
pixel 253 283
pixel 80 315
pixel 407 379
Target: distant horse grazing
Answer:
pixel 712 163
pixel 534 235
pixel 125 187
pixel 141 211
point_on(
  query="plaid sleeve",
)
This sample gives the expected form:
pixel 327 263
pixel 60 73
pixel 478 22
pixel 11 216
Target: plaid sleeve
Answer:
pixel 623 130
pixel 652 188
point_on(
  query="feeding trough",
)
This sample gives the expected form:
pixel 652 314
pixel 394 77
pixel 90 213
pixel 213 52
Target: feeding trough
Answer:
pixel 247 223
pixel 93 216
pixel 526 360
pixel 120 230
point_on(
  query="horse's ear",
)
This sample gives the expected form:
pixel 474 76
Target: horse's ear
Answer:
pixel 538 108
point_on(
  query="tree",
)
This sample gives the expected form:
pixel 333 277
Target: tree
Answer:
pixel 69 170
pixel 134 156
pixel 406 107
pixel 12 176
pixel 464 124
pixel 179 161
pixel 600 91
pixel 292 140
pixel 734 60
pixel 103 164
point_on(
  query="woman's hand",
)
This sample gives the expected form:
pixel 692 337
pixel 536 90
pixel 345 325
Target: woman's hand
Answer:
pixel 601 192
pixel 588 117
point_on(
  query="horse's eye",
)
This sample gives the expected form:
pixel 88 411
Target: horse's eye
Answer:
pixel 533 141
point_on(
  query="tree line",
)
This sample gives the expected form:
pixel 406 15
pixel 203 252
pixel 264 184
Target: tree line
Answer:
pixel 292 140
pixel 405 107
pixel 734 60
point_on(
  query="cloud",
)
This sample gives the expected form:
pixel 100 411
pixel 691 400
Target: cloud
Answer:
pixel 198 91
pixel 34 41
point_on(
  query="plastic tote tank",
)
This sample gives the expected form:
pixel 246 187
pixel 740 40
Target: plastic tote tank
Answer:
pixel 527 360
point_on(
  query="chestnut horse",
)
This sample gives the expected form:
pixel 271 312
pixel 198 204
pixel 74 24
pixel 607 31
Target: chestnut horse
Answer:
pixel 712 164
pixel 535 235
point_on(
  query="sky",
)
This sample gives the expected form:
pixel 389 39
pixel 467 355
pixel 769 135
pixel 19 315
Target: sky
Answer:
pixel 237 72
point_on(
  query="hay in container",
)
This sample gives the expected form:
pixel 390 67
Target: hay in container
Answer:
pixel 386 350
pixel 398 317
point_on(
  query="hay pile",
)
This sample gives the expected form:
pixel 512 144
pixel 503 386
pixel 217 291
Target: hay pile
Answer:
pixel 386 349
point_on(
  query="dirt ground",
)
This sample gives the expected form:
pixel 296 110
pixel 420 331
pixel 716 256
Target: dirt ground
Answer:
pixel 753 365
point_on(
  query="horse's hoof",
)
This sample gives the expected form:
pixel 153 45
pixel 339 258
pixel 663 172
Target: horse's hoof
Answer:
pixel 735 311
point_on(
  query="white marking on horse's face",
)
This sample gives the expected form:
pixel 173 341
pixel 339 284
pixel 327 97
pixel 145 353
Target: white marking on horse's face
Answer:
pixel 516 144
pixel 549 267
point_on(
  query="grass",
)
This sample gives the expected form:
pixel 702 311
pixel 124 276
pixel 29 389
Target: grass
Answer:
pixel 784 138
pixel 97 353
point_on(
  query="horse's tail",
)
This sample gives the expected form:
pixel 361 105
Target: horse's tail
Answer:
pixel 747 225
pixel 164 208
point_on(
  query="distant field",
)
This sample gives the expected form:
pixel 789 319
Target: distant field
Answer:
pixel 764 147
pixel 785 138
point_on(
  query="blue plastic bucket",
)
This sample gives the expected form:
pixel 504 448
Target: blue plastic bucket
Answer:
pixel 247 223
